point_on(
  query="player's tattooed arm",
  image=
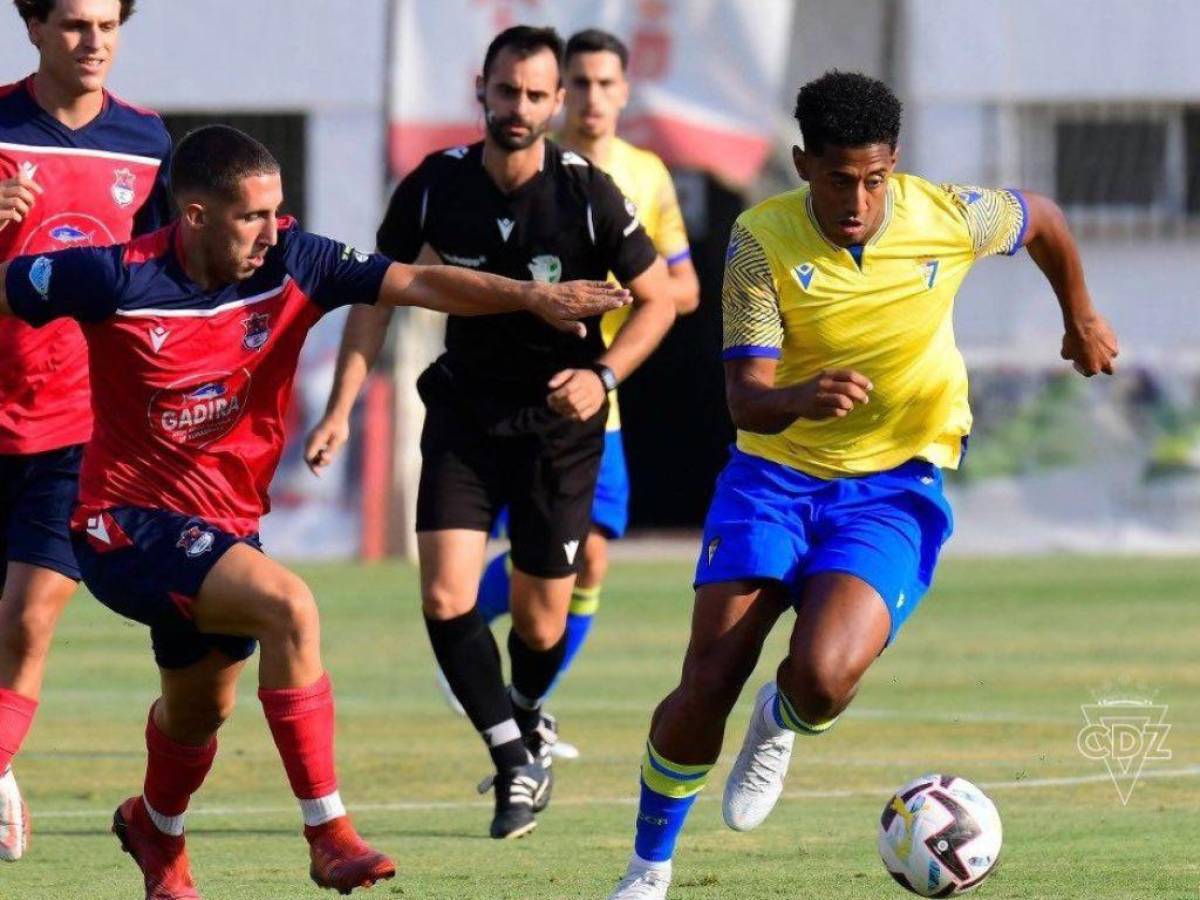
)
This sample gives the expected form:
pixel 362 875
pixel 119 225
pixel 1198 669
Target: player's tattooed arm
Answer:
pixel 1088 339
pixel 757 405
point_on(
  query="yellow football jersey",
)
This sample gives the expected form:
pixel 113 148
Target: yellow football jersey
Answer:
pixel 644 179
pixel 790 293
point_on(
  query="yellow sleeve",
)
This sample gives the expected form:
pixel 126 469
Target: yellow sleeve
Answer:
pixel 996 219
pixel 670 236
pixel 750 313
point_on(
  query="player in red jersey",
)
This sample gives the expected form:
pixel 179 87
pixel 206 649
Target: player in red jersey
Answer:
pixel 77 168
pixel 195 331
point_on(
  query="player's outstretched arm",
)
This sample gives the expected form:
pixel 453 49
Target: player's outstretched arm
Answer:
pixel 757 405
pixel 463 292
pixel 1088 340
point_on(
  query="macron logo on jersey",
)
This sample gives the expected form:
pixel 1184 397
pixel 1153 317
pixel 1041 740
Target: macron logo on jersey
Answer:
pixel 97 528
pixel 804 274
pixel 506 227
pixel 158 337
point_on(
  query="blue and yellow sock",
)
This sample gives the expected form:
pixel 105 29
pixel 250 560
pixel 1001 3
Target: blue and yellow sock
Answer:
pixel 785 717
pixel 585 601
pixel 668 792
pixel 494 588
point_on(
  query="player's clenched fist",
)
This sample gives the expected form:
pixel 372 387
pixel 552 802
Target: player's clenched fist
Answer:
pixel 1091 345
pixel 561 304
pixel 324 441
pixel 833 394
pixel 576 394
pixel 17 197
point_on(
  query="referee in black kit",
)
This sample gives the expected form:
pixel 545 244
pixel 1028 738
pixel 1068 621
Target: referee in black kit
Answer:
pixel 515 409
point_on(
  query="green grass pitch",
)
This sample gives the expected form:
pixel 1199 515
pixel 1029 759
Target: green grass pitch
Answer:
pixel 986 682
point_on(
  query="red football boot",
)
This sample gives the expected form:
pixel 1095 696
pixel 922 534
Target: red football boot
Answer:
pixel 161 857
pixel 342 860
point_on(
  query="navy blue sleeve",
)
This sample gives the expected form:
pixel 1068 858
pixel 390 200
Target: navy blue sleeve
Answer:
pixel 83 283
pixel 332 274
pixel 156 211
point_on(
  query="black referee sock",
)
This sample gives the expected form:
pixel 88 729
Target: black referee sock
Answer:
pixel 533 672
pixel 470 660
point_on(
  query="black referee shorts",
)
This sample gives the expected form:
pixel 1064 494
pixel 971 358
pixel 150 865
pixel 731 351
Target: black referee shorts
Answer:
pixel 481 453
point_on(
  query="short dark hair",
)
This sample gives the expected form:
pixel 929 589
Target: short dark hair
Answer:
pixel 40 9
pixel 847 109
pixel 523 40
pixel 595 40
pixel 214 159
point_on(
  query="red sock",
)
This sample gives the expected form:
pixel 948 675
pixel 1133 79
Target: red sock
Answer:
pixel 16 715
pixel 173 771
pixel 301 721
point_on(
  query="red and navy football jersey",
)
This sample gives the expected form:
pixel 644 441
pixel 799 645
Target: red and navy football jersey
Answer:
pixel 102 184
pixel 190 388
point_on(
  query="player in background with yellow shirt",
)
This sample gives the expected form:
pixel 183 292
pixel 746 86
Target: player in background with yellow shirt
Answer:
pixel 850 397
pixel 596 91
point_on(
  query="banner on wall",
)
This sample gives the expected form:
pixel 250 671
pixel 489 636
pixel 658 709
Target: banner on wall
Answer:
pixel 707 74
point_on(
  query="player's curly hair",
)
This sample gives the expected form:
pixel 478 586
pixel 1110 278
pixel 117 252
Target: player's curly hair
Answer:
pixel 524 41
pixel 847 109
pixel 213 159
pixel 40 9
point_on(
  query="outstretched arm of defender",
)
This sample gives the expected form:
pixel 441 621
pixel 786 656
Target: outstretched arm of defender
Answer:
pixel 757 405
pixel 1088 340
pixel 463 292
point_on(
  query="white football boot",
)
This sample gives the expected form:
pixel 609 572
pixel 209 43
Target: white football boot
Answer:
pixel 14 819
pixel 643 882
pixel 756 779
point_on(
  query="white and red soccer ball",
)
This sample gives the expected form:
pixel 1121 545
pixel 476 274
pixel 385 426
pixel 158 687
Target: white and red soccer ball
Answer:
pixel 940 836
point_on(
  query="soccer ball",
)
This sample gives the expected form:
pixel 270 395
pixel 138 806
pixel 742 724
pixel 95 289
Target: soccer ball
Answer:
pixel 939 836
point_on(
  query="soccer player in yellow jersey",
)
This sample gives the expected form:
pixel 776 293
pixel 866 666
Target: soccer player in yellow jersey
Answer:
pixel 850 397
pixel 596 91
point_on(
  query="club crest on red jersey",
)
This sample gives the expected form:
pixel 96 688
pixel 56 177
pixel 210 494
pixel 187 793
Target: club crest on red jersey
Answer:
pixel 258 330
pixel 198 411
pixel 195 541
pixel 122 188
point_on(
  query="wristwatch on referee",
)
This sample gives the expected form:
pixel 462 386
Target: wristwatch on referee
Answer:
pixel 608 377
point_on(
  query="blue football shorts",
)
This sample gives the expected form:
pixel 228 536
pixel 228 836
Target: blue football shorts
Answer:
pixel 770 521
pixel 148 565
pixel 37 494
pixel 610 504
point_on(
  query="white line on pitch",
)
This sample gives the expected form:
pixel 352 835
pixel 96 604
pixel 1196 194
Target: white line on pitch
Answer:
pixel 433 805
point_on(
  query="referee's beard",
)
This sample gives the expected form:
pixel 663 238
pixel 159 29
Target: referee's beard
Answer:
pixel 497 129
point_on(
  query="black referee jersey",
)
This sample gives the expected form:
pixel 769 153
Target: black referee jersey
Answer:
pixel 569 221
